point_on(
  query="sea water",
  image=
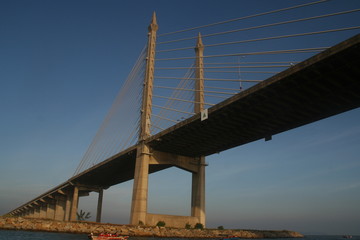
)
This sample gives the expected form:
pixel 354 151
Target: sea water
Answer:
pixel 26 235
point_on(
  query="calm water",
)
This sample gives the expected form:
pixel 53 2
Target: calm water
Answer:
pixel 24 235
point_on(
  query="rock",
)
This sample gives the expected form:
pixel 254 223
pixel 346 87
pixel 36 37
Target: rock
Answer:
pixel 139 231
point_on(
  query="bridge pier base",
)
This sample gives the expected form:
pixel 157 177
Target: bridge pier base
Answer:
pixel 147 157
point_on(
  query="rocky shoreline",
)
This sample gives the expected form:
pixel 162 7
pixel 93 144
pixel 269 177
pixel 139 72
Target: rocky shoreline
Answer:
pixel 29 224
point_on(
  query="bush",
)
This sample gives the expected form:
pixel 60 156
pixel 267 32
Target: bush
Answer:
pixel 141 223
pixel 199 226
pixel 187 226
pixel 83 216
pixel 161 224
pixel 220 227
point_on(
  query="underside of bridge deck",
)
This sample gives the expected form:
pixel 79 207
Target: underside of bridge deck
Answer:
pixel 322 86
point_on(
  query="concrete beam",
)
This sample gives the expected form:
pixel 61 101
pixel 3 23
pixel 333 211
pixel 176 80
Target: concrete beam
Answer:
pixel 61 192
pixel 183 162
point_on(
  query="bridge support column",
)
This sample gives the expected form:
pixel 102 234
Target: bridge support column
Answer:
pixel 32 212
pixel 37 211
pixel 198 177
pixel 140 188
pixel 99 206
pixel 43 208
pixel 68 206
pixel 198 192
pixel 60 208
pixel 50 211
pixel 74 203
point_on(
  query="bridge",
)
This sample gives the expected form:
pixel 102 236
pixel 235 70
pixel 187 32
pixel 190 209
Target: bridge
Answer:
pixel 320 86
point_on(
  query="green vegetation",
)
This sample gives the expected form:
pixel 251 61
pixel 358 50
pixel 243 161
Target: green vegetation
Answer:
pixel 161 224
pixel 220 227
pixel 83 216
pixel 187 226
pixel 141 223
pixel 199 226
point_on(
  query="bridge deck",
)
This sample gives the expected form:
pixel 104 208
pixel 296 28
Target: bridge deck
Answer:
pixel 319 87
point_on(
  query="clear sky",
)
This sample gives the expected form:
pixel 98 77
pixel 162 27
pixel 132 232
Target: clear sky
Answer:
pixel 61 66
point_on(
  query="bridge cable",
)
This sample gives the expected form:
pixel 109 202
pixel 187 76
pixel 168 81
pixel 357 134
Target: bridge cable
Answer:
pixel 304 50
pixel 242 18
pixel 267 38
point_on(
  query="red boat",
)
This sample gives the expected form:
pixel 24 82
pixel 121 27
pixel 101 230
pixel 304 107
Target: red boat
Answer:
pixel 107 236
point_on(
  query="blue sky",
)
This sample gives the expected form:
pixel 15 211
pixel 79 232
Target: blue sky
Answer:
pixel 61 66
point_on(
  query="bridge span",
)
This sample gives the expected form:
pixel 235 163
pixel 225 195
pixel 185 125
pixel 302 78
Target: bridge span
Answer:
pixel 319 87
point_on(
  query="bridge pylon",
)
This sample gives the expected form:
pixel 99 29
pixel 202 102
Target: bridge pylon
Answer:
pixel 140 188
pixel 147 156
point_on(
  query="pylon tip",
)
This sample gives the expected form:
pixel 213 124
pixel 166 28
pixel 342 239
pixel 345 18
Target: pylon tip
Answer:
pixel 153 20
pixel 199 40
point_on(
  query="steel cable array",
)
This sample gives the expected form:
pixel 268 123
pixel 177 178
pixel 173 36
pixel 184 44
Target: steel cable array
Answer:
pixel 239 53
pixel 120 127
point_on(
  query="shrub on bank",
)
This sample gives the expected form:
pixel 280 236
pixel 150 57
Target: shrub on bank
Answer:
pixel 161 224
pixel 199 226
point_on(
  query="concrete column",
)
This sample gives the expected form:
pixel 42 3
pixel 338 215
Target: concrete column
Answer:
pixel 32 212
pixel 50 211
pixel 198 193
pixel 198 178
pixel 148 82
pixel 199 76
pixel 43 208
pixel 140 188
pixel 68 206
pixel 60 208
pixel 74 204
pixel 28 212
pixel 99 206
pixel 37 211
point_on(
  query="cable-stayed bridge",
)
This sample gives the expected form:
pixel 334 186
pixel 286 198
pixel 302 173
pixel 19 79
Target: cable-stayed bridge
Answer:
pixel 193 94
